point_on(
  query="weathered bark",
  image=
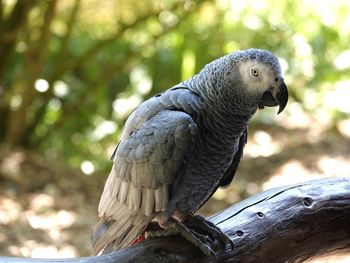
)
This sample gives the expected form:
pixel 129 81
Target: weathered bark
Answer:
pixel 286 224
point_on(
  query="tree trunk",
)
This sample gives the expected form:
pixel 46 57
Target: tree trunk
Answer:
pixel 34 59
pixel 286 224
pixel 9 29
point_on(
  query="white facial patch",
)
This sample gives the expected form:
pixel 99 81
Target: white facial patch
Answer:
pixel 249 68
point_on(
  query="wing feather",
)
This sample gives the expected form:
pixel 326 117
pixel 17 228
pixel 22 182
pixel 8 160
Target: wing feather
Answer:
pixel 123 191
pixel 148 163
pixel 147 159
pixel 230 173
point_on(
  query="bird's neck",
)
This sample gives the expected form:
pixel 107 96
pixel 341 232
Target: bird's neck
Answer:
pixel 224 102
pixel 224 124
pixel 222 110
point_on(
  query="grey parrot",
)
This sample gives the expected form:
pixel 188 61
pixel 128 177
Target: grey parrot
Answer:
pixel 179 146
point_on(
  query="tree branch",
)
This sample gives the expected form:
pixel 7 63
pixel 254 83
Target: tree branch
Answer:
pixel 286 224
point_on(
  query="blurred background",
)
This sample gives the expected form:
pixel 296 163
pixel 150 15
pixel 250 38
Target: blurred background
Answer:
pixel 72 71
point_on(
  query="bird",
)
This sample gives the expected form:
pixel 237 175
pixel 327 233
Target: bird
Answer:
pixel 179 146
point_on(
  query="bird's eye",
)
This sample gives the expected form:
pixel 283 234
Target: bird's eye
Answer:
pixel 276 79
pixel 254 72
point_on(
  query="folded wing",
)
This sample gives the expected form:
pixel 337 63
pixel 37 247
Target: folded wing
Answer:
pixel 146 163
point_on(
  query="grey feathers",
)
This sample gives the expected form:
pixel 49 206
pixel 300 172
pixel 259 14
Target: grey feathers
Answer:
pixel 149 155
pixel 179 146
pixel 146 163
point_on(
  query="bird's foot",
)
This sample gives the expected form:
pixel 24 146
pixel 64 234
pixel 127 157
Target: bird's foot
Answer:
pixel 205 227
pixel 198 231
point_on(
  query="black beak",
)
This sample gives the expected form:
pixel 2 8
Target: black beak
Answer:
pixel 282 97
pixel 275 96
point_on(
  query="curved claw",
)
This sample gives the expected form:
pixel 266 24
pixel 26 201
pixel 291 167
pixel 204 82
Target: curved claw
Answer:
pixel 199 240
pixel 203 225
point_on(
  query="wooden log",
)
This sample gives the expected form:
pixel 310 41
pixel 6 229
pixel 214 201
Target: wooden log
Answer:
pixel 286 224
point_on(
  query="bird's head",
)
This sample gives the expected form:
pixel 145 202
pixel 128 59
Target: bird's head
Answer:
pixel 243 81
pixel 259 74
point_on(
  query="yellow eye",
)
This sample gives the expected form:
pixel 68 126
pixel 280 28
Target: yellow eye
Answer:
pixel 254 72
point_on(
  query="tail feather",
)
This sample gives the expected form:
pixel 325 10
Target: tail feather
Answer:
pixel 97 231
pixel 112 235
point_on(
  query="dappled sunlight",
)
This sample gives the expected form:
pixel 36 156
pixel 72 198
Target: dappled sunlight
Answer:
pixel 296 118
pixel 46 209
pixel 104 128
pixel 68 84
pixel 41 85
pixel 40 202
pixel 140 80
pixel 87 167
pixel 123 106
pixel 34 249
pixel 342 61
pixel 291 172
pixel 262 144
pixel 9 211
pixel 338 97
pixel 44 251
pixel 303 51
pixel 344 127
pixel 294 171
pixel 60 220
pixel 226 195
pixel 36 227
pixel 334 167
pixel 331 259
pixel 11 164
pixel 60 88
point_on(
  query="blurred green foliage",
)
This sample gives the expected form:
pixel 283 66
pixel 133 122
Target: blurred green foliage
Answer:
pixel 72 71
